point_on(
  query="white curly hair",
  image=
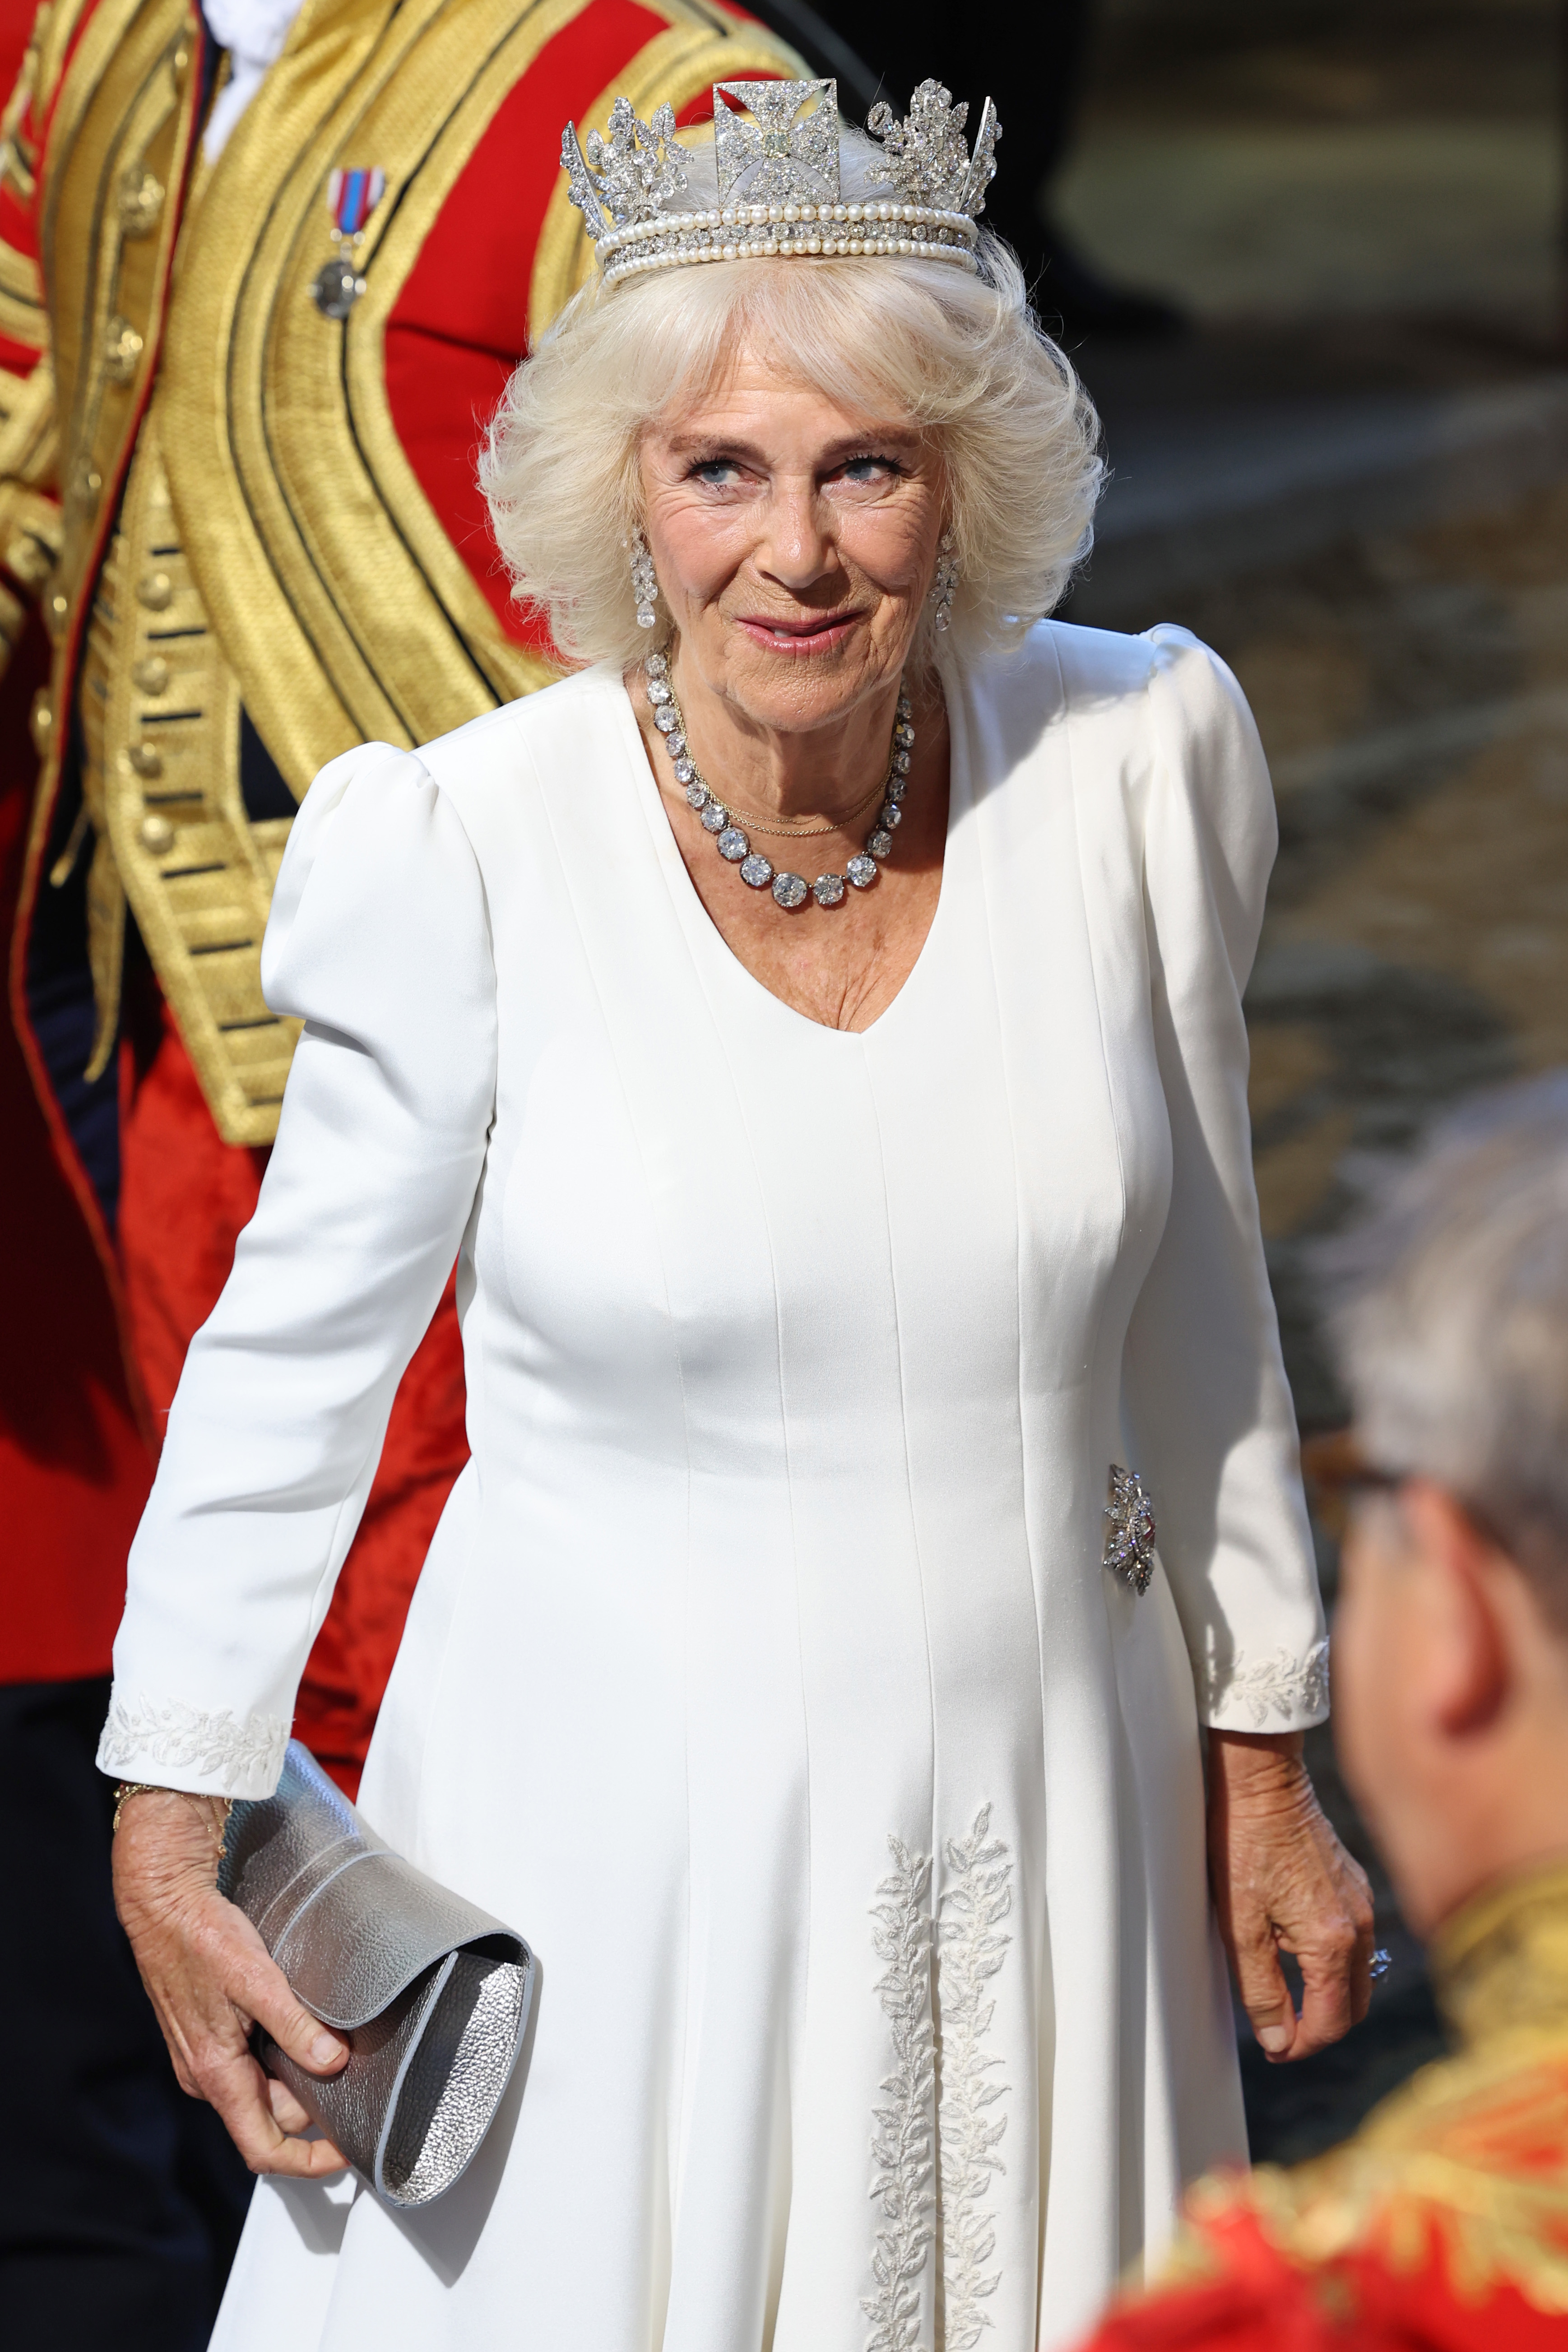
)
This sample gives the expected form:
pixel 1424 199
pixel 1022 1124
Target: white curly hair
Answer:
pixel 960 357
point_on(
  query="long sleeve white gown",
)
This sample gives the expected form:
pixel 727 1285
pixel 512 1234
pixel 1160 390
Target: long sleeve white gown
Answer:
pixel 764 1671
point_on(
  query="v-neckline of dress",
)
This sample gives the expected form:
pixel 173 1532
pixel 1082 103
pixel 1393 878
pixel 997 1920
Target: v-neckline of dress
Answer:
pixel 701 928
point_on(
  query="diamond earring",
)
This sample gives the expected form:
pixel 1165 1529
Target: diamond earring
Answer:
pixel 945 582
pixel 644 582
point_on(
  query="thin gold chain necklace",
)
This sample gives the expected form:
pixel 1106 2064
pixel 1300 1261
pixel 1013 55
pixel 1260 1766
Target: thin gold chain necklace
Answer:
pixel 717 817
pixel 755 823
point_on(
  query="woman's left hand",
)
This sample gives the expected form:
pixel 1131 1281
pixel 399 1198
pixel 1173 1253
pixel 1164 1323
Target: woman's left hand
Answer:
pixel 1282 1882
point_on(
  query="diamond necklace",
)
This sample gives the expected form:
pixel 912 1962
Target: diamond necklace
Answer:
pixel 790 890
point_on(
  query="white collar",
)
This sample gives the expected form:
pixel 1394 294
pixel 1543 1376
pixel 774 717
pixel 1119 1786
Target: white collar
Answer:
pixel 253 32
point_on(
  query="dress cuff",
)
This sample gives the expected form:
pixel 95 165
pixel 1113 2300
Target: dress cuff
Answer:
pixel 1282 1692
pixel 209 1752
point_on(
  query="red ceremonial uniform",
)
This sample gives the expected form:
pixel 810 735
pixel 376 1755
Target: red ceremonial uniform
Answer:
pixel 1442 2226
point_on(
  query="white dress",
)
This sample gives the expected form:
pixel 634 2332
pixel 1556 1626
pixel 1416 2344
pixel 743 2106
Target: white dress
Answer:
pixel 763 1670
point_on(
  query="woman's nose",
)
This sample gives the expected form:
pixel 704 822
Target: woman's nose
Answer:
pixel 795 543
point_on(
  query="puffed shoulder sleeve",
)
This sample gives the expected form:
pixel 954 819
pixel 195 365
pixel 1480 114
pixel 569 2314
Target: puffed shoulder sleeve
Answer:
pixel 379 940
pixel 1207 1401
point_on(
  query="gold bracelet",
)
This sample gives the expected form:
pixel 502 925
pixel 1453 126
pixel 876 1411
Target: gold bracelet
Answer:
pixel 154 1789
pixel 129 1788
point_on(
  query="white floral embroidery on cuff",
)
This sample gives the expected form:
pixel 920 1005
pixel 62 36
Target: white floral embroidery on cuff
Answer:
pixel 1282 1684
pixel 245 1753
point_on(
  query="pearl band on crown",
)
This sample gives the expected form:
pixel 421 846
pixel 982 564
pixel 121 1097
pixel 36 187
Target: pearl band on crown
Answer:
pixel 775 232
pixel 767 145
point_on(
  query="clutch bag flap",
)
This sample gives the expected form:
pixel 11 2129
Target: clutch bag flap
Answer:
pixel 431 1993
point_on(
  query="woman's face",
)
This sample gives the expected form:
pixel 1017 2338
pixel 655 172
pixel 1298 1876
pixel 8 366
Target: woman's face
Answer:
pixel 795 544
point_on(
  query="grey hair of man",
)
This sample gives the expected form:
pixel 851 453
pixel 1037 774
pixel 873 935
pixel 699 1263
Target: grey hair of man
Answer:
pixel 1450 1317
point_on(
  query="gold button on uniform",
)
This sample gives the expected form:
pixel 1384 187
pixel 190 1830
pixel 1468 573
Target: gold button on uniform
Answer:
pixel 41 720
pixel 141 200
pixel 85 486
pixel 122 349
pixel 28 558
pixel 157 834
pixel 146 760
pixel 156 591
pixel 152 674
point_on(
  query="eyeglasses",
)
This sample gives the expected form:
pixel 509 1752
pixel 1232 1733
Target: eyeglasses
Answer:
pixel 1338 1475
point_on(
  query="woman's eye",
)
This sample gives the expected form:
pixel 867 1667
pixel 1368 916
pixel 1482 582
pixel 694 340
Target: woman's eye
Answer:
pixel 719 473
pixel 871 470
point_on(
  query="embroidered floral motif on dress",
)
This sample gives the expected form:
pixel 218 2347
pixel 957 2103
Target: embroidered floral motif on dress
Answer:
pixel 902 2143
pixel 248 1752
pixel 969 1952
pixel 943 2075
pixel 1280 1684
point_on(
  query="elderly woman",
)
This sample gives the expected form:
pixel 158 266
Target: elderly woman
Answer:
pixel 814 1028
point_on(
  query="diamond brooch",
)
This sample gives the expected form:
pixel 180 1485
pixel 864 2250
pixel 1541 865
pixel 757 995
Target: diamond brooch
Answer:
pixel 1130 1538
pixel 732 840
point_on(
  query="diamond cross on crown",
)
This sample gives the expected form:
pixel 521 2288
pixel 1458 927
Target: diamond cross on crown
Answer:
pixel 781 156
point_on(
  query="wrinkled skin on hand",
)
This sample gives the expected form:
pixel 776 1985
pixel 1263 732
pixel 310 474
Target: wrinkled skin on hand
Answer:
pixel 209 1978
pixel 1282 1882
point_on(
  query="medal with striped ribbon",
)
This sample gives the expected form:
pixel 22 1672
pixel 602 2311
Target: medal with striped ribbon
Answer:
pixel 351 197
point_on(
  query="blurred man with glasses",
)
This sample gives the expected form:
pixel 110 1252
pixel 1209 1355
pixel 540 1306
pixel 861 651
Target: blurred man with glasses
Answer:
pixel 1444 2222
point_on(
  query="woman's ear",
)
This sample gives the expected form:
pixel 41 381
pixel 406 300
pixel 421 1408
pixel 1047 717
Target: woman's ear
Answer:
pixel 1466 1658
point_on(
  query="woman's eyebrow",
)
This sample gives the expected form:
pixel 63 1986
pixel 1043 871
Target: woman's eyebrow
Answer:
pixel 714 445
pixel 874 444
pixel 869 444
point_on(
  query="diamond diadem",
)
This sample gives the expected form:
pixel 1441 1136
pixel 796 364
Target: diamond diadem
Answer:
pixel 777 145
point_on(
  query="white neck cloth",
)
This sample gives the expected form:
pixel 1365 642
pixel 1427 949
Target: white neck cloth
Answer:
pixel 253 32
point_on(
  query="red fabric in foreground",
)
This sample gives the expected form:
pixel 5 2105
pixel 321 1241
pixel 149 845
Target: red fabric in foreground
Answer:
pixel 1263 2303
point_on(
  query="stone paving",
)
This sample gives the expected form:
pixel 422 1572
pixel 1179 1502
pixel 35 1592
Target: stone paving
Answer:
pixel 1381 157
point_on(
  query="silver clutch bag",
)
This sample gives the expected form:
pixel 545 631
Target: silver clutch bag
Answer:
pixel 431 1994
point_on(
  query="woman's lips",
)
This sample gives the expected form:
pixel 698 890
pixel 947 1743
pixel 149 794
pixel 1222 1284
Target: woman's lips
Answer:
pixel 816 636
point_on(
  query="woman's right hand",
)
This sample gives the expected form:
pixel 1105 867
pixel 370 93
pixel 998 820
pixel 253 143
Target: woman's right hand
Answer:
pixel 210 1978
